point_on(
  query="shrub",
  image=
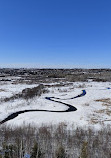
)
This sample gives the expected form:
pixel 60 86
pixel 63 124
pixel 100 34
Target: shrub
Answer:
pixel 32 92
pixel 28 93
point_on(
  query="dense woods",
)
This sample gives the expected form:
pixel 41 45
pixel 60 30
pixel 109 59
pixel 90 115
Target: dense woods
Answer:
pixel 32 76
pixel 54 141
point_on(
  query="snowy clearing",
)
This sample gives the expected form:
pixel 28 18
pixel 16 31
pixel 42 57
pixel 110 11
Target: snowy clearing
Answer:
pixel 93 109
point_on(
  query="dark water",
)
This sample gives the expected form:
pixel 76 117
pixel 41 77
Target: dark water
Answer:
pixel 108 88
pixel 70 107
pixel 80 95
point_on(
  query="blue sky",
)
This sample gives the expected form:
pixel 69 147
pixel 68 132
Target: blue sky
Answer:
pixel 55 33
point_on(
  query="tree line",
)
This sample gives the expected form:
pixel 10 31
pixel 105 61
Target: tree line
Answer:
pixel 54 141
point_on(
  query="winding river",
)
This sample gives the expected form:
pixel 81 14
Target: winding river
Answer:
pixel 70 107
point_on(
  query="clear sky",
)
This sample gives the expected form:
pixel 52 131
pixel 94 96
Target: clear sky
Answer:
pixel 55 33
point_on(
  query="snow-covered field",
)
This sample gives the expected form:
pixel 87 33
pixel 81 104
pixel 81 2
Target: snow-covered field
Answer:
pixel 93 109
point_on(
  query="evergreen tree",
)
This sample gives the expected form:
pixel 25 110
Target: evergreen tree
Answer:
pixel 84 151
pixel 60 153
pixel 36 152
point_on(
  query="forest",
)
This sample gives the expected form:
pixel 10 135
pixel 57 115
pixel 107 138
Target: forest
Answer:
pixel 54 141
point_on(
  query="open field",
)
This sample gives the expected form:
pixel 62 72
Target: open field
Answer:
pixel 19 92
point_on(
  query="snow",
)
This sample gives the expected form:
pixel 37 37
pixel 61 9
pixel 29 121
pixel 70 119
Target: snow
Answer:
pixel 89 111
pixel 8 90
